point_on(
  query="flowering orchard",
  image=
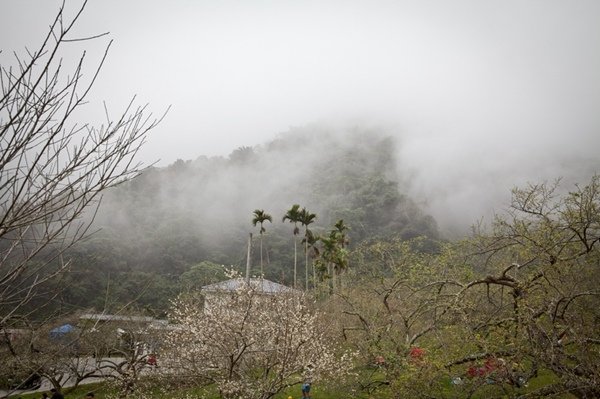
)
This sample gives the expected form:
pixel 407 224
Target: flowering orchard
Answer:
pixel 253 345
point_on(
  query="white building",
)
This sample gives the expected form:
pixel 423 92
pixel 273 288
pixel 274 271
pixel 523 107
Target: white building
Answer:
pixel 217 293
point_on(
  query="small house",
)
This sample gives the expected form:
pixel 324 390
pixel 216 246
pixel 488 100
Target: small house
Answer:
pixel 215 294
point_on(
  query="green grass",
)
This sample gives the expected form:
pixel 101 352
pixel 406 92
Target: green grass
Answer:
pixel 318 391
pixel 102 390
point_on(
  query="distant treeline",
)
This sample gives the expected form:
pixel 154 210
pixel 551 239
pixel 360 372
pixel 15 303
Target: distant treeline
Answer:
pixel 183 221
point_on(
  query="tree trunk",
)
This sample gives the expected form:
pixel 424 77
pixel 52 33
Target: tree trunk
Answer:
pixel 248 259
pixel 306 265
pixel 262 273
pixel 295 261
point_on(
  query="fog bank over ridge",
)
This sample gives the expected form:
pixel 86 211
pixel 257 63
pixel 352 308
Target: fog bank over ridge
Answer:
pixel 347 174
pixel 463 178
pixel 457 181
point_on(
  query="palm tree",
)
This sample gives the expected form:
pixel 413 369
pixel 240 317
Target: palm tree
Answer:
pixel 306 218
pixel 311 240
pixel 327 259
pixel 334 256
pixel 260 216
pixel 293 215
pixel 338 234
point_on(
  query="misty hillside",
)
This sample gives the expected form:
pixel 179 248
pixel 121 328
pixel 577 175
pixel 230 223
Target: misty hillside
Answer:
pixel 159 225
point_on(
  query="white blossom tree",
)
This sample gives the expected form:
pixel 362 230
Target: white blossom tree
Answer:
pixel 253 345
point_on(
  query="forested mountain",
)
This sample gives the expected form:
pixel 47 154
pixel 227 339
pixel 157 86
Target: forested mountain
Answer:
pixel 155 228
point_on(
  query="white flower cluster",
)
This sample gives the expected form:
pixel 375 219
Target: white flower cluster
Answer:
pixel 252 345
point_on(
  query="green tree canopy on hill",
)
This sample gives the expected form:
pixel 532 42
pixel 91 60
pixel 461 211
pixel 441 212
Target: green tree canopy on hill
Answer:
pixel 171 218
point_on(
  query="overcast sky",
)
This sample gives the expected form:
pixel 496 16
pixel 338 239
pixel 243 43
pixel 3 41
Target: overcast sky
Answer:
pixel 473 89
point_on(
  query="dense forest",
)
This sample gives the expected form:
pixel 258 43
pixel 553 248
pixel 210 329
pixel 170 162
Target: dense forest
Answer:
pixel 172 228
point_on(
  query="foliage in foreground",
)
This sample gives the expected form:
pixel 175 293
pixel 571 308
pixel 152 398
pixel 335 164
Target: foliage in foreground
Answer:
pixel 492 313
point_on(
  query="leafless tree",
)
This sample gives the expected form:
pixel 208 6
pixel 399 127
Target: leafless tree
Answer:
pixel 129 351
pixel 53 169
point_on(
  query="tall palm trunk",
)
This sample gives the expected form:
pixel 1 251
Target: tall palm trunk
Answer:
pixel 293 215
pixel 295 260
pixel 306 265
pixel 262 273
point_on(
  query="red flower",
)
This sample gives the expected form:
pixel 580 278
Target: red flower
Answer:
pixel 472 371
pixel 416 353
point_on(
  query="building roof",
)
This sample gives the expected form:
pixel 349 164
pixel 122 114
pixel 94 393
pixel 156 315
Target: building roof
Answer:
pixel 259 284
